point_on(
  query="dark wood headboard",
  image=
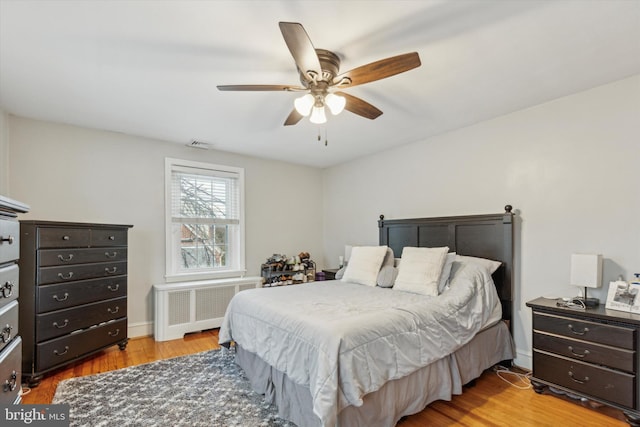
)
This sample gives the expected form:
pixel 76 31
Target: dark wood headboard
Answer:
pixel 485 236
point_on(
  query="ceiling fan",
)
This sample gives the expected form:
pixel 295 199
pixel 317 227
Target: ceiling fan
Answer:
pixel 319 78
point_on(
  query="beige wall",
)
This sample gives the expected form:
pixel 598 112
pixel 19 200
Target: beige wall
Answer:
pixel 68 173
pixel 4 153
pixel 569 167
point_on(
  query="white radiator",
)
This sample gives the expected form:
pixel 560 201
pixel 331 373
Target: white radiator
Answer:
pixel 194 306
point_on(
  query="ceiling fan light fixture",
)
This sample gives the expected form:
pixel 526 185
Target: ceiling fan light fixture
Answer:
pixel 317 115
pixel 304 104
pixel 335 103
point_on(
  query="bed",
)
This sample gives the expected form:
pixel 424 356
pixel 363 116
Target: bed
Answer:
pixel 337 353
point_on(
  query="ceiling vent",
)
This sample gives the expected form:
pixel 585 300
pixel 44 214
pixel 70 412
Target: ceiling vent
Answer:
pixel 199 144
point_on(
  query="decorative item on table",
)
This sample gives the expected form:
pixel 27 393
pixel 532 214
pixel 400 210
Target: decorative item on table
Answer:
pixel 586 271
pixel 623 296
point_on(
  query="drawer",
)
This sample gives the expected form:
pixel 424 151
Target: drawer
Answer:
pixel 8 323
pixel 58 351
pixel 72 273
pixel 11 372
pixel 61 256
pixel 586 351
pixel 62 322
pixel 9 240
pixel 584 378
pixel 617 336
pixel 64 295
pixel 9 289
pixel 63 237
pixel 109 237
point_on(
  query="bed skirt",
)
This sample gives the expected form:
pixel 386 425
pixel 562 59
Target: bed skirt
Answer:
pixel 397 398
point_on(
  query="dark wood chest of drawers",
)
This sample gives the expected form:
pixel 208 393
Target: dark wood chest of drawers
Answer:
pixel 10 340
pixel 592 353
pixel 74 292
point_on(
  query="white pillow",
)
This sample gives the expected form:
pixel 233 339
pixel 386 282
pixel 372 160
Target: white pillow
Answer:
pixel 446 272
pixel 420 270
pixel 387 276
pixel 489 264
pixel 388 258
pixel 364 264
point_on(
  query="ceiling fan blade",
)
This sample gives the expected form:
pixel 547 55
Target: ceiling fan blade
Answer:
pixel 301 48
pixel 293 118
pixel 360 107
pixel 258 88
pixel 379 70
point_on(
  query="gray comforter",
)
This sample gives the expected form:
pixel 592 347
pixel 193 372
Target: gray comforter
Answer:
pixel 343 340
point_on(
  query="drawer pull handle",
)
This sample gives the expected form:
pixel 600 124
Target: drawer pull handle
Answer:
pixel 112 271
pixel 111 255
pixel 114 311
pixel 583 354
pixel 8 239
pixel 114 288
pixel 6 333
pixel 67 259
pixel 65 237
pixel 64 325
pixel 583 381
pixel 583 332
pixel 64 298
pixel 112 237
pixel 67 277
pixel 114 333
pixel 66 350
pixel 7 289
pixel 11 383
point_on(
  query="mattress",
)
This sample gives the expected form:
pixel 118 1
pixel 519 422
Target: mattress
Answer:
pixel 344 341
pixel 408 395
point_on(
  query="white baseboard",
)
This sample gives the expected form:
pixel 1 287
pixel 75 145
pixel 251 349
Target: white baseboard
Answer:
pixel 523 359
pixel 140 329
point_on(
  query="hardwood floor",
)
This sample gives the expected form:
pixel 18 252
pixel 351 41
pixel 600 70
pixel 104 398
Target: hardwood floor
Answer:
pixel 491 402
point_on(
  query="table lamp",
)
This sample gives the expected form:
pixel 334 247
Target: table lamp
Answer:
pixel 586 271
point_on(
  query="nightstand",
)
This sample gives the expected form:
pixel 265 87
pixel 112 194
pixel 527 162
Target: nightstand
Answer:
pixel 592 353
pixel 330 273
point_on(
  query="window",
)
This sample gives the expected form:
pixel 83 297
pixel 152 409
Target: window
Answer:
pixel 204 220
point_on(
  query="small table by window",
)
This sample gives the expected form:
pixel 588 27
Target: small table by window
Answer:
pixel 330 273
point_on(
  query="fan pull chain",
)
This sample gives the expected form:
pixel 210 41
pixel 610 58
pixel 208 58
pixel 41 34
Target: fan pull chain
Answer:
pixel 320 135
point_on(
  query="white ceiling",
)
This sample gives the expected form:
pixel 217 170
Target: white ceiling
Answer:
pixel 150 68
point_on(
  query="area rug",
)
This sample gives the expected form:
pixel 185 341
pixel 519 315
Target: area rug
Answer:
pixel 203 389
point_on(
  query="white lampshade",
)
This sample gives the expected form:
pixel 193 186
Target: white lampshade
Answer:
pixel 586 270
pixel 304 104
pixel 317 115
pixel 335 103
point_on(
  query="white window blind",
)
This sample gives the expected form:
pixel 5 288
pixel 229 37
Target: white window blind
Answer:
pixel 204 198
pixel 204 219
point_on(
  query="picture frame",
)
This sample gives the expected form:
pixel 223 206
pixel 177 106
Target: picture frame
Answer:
pixel 624 296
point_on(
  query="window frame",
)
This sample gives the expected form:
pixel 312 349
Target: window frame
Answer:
pixel 238 266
